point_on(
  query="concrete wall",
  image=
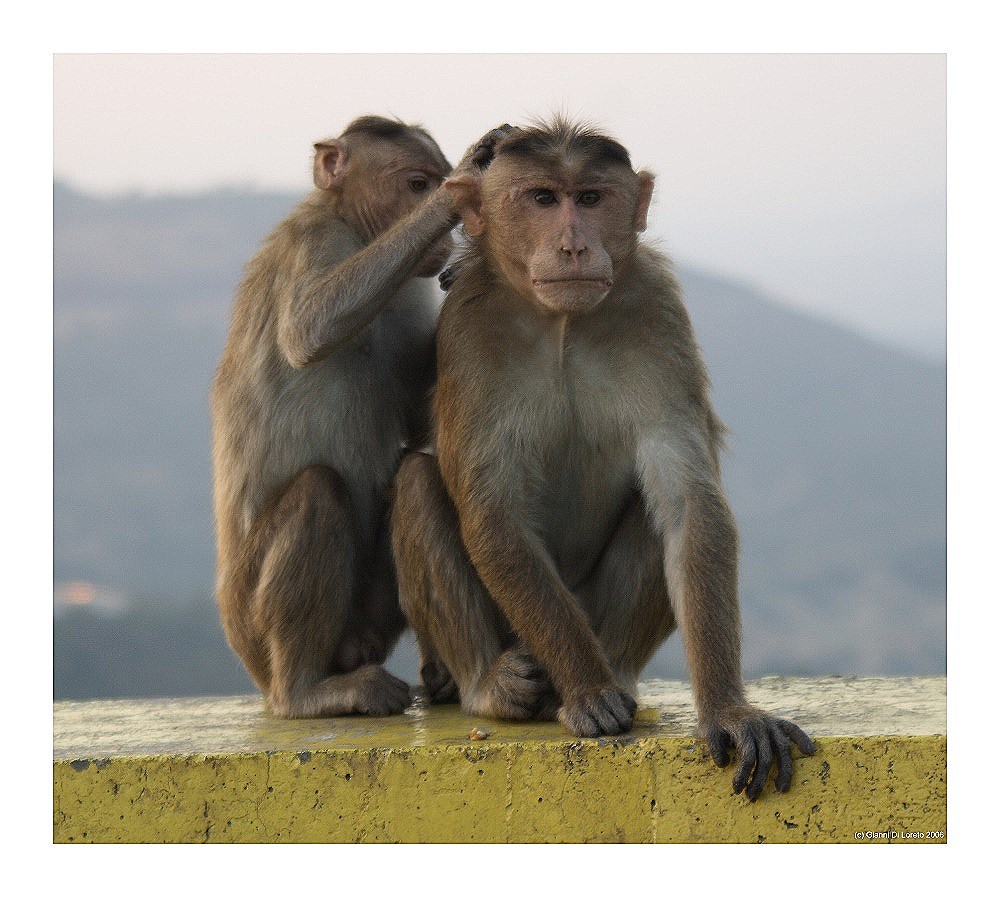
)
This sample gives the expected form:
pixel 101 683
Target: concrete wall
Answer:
pixel 224 770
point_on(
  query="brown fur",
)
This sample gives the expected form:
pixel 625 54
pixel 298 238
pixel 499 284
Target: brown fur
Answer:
pixel 324 380
pixel 574 516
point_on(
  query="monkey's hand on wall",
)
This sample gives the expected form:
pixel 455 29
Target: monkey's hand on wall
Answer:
pixel 604 711
pixel 760 740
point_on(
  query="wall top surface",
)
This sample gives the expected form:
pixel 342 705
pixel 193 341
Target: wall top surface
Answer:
pixel 828 706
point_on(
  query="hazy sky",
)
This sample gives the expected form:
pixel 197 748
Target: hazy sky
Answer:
pixel 818 178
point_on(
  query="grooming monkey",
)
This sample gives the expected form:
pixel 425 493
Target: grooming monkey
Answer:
pixel 323 381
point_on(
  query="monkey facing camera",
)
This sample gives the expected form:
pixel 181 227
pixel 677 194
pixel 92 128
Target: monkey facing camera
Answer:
pixel 572 515
pixel 324 379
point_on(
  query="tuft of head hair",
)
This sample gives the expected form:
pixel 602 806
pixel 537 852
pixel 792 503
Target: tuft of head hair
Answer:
pixel 564 137
pixel 376 127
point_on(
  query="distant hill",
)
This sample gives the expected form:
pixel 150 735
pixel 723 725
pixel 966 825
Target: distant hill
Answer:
pixel 836 470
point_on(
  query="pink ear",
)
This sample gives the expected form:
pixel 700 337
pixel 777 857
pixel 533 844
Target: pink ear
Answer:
pixel 468 200
pixel 642 200
pixel 329 164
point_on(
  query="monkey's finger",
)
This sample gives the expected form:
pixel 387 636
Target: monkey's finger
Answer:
pixel 802 741
pixel 783 779
pixel 397 703
pixel 491 137
pixel 599 708
pixel 618 704
pixel 748 759
pixel 762 739
pixel 591 727
pixel 387 704
pixel 398 692
pixel 482 155
pixel 578 722
pixel 719 743
pixel 497 133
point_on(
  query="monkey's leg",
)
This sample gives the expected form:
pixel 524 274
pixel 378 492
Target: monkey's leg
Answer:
pixel 456 621
pixel 303 595
pixel 626 595
pixel 439 685
pixel 376 621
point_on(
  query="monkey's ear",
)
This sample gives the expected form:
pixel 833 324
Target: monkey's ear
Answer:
pixel 329 164
pixel 468 200
pixel 642 200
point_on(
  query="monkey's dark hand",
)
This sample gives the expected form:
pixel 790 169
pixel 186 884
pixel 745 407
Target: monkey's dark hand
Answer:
pixel 760 740
pixel 604 711
pixel 447 277
pixel 483 150
pixel 477 157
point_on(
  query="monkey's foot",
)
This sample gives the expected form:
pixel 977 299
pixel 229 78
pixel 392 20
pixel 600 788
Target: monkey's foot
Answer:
pixel 513 688
pixel 369 690
pixel 360 645
pixel 605 711
pixel 440 687
pixel 377 692
pixel 760 741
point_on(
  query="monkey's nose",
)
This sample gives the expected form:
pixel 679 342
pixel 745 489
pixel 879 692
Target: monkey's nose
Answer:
pixel 575 249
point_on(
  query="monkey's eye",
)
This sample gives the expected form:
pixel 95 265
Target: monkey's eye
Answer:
pixel 419 185
pixel 545 197
pixel 588 198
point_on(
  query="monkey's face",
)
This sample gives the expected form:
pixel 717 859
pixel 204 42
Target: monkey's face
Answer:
pixel 558 230
pixel 386 181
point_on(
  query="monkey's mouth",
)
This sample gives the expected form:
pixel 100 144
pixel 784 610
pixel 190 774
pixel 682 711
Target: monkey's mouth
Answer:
pixel 544 282
pixel 570 295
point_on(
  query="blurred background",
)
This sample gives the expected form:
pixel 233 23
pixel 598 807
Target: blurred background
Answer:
pixel 802 197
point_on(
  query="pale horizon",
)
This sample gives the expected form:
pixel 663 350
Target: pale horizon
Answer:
pixel 817 178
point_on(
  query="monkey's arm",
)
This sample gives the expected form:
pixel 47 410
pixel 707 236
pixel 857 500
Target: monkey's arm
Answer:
pixel 520 576
pixel 700 550
pixel 325 306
